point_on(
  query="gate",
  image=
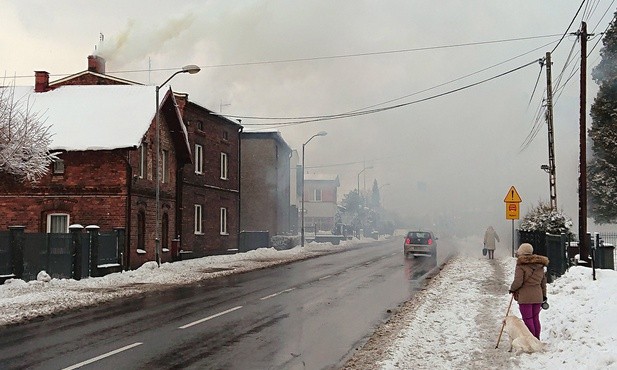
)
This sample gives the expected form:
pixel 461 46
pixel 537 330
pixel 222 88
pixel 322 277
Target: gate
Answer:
pixel 50 252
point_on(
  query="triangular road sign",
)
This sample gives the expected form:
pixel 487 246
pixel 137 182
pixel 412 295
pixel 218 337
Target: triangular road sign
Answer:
pixel 512 196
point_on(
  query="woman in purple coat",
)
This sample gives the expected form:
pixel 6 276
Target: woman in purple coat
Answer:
pixel 529 286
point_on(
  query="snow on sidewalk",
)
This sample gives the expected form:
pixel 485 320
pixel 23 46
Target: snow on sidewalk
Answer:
pixel 454 322
pixel 457 320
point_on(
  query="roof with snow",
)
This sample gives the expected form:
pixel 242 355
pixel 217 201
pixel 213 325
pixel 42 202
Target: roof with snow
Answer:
pixel 321 177
pixel 95 117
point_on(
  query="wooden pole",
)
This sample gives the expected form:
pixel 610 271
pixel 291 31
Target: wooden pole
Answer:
pixel 504 321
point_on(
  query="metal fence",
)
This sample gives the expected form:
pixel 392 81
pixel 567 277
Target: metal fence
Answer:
pixel 552 246
pixel 62 255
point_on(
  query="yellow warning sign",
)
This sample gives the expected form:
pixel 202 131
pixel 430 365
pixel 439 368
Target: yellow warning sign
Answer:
pixel 512 196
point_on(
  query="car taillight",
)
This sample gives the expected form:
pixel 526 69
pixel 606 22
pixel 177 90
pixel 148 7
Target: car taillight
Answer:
pixel 407 241
pixel 430 241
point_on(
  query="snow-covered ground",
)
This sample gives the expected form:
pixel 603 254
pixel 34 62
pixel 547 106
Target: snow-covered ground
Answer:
pixel 454 323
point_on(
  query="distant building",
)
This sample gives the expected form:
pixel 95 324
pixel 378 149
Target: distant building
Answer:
pixel 320 196
pixel 265 183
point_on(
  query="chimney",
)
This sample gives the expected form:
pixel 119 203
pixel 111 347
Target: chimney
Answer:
pixel 41 81
pixel 96 64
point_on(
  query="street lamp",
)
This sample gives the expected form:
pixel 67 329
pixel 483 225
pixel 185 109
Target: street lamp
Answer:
pixel 320 133
pixel 191 69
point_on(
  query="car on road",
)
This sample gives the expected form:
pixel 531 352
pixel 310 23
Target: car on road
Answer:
pixel 420 243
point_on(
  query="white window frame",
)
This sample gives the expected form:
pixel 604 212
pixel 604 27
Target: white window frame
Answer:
pixel 199 159
pixel 68 220
pixel 223 220
pixel 198 219
pixel 143 160
pixel 223 166
pixel 164 165
pixel 315 197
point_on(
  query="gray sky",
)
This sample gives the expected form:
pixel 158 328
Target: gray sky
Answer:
pixel 451 158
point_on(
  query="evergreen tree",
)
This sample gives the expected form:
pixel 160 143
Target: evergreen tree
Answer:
pixel 375 201
pixel 602 168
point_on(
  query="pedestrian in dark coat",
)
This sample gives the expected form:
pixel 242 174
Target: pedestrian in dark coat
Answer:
pixel 490 236
pixel 529 286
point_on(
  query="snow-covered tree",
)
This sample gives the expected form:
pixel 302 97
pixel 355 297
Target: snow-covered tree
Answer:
pixel 602 168
pixel 544 218
pixel 24 138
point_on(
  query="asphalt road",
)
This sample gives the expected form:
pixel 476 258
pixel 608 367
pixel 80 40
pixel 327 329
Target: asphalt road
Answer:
pixel 310 314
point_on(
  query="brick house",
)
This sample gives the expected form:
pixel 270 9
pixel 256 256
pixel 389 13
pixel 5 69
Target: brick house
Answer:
pixel 130 192
pixel 265 183
pixel 104 137
pixel 320 197
pixel 210 186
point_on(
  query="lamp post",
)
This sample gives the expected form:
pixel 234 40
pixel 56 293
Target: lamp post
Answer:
pixel 192 69
pixel 320 133
pixel 359 173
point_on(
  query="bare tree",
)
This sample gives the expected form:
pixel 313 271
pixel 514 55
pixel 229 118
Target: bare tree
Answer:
pixel 24 138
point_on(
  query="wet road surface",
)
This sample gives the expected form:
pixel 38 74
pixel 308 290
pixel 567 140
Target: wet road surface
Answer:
pixel 310 314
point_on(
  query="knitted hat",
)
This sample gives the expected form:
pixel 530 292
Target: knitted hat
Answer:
pixel 525 248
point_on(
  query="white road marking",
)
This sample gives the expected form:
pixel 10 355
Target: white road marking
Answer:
pixel 325 277
pixel 103 356
pixel 209 317
pixel 277 293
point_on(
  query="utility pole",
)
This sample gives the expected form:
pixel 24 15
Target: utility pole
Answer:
pixel 582 183
pixel 551 140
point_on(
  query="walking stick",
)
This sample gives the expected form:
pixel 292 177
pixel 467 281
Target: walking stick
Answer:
pixel 504 321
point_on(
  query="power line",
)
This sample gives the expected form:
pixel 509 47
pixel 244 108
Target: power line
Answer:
pixel 377 110
pixel 327 57
pixel 570 25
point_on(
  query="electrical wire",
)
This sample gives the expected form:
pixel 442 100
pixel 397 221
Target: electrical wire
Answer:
pixel 327 57
pixel 537 80
pixel 570 25
pixel 378 110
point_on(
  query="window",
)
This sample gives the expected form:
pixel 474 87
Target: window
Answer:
pixel 58 167
pixel 141 230
pixel 199 125
pixel 199 160
pixel 225 135
pixel 224 166
pixel 58 223
pixel 165 166
pixel 198 219
pixel 143 160
pixel 317 195
pixel 224 221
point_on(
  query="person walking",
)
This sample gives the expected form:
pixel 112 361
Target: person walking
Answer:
pixel 489 241
pixel 529 286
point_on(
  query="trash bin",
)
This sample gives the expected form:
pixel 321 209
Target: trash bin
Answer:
pixel 605 258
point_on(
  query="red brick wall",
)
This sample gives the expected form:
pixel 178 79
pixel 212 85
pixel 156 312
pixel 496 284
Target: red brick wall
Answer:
pixel 143 198
pixel 92 191
pixel 208 189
